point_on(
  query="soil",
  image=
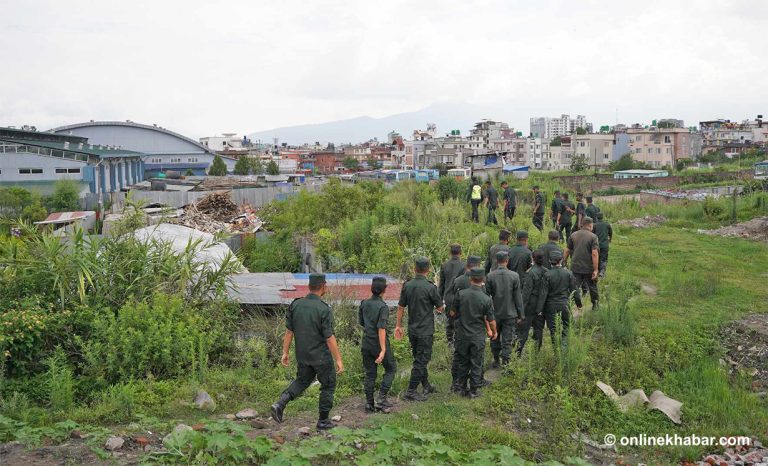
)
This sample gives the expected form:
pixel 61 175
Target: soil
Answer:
pixel 746 343
pixel 755 229
pixel 644 222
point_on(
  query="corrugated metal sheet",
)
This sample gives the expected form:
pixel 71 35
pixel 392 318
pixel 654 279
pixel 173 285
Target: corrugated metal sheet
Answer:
pixel 63 217
pixel 281 288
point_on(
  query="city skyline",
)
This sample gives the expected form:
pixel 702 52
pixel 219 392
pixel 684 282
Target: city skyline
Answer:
pixel 203 69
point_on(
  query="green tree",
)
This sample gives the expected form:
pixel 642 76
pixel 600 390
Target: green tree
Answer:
pixel 65 197
pixel 625 162
pixel 257 168
pixel 579 164
pixel 556 141
pixel 373 163
pixel 34 212
pixel 243 166
pixel 218 167
pixel 189 172
pixel 581 131
pixel 273 168
pixel 351 163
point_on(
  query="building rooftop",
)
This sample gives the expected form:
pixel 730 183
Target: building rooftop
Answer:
pixel 25 134
pixel 639 172
pixel 88 149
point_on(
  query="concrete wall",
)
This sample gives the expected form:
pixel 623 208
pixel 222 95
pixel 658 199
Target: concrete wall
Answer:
pixel 10 163
pixel 589 183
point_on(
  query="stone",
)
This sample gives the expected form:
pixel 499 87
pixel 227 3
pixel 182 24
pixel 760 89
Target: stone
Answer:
pixel 304 430
pixel 336 418
pixel 182 428
pixel 114 443
pixel 258 424
pixel 149 448
pixel 279 439
pixel 204 401
pixel 231 417
pixel 415 417
pixel 76 434
pixel 248 413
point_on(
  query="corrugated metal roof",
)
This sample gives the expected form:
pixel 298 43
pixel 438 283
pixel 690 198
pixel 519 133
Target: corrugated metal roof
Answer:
pixel 63 217
pixel 86 149
pixel 282 288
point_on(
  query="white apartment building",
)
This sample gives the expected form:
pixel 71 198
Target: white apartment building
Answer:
pixel 596 148
pixel 227 141
pixel 546 127
pixel 538 152
pixel 486 133
pixel 560 156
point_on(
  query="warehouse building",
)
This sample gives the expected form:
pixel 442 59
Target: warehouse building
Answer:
pixel 164 149
pixel 32 158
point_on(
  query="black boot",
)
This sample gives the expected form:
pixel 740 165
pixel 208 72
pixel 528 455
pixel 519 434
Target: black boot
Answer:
pixel 495 364
pixel 279 406
pixel 383 403
pixel 325 424
pixel 370 406
pixel 474 393
pixel 458 389
pixel 429 389
pixel 412 395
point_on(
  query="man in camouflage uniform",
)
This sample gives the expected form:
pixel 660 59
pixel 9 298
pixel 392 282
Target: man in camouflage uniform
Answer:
pixel 492 202
pixel 538 208
pixel 421 297
pixel 451 269
pixel 550 247
pixel 520 255
pixel 534 294
pixel 604 234
pixel 560 285
pixel 581 210
pixel 373 317
pixel 503 245
pixel 310 321
pixel 472 309
pixel 555 208
pixel 591 210
pixel 504 288
pixel 565 218
pixel 510 201
pixel 583 247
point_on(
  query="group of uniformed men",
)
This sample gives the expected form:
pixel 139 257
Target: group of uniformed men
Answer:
pixel 516 290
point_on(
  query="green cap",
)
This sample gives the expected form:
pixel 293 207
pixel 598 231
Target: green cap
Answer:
pixel 477 272
pixel 421 263
pixel 522 234
pixel 555 256
pixel 474 260
pixel 502 256
pixel 316 279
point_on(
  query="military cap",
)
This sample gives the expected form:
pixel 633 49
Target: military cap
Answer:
pixel 421 263
pixel 381 281
pixel 477 272
pixel 474 260
pixel 599 215
pixel 502 256
pixel 555 255
pixel 522 234
pixel 316 279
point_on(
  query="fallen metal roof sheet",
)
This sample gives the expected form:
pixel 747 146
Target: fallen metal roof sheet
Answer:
pixel 64 217
pixel 282 288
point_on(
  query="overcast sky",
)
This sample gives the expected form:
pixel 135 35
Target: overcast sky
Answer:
pixel 203 68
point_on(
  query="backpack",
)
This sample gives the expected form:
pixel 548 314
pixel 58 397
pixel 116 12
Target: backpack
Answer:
pixel 477 192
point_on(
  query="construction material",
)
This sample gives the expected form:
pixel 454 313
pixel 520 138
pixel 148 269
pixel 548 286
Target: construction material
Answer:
pixel 658 400
pixel 216 213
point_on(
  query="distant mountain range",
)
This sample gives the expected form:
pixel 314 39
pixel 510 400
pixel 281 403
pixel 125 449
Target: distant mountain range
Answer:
pixel 447 117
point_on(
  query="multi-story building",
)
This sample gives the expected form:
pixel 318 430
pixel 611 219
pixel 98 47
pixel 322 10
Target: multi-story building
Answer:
pixel 595 148
pixel 487 133
pixel 538 152
pixel 659 147
pixel 546 127
pixel 225 142
pixel 560 155
pixel 731 137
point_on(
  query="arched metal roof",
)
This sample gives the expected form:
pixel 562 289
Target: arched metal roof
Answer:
pixel 131 124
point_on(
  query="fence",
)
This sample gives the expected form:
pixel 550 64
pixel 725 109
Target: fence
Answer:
pixel 255 197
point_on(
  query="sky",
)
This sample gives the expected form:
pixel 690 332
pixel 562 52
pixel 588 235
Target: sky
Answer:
pixel 202 68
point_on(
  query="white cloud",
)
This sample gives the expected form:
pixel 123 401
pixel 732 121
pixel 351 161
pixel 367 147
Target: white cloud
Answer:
pixel 206 67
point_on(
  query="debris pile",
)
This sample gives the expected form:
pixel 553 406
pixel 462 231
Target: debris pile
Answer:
pixel 216 212
pixel 637 397
pixel 644 222
pixel 746 344
pixel 755 229
pixel 739 455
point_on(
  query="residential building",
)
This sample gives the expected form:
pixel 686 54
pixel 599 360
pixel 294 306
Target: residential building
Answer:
pixel 731 137
pixel 560 155
pixel 595 148
pixel 487 133
pixel 327 161
pixel 420 146
pixel 659 147
pixel 538 152
pixel 32 158
pixel 546 127
pixel 226 142
pixel 620 142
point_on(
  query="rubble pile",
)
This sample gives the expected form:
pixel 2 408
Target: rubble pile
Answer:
pixel 644 222
pixel 755 229
pixel 746 344
pixel 216 212
pixel 755 454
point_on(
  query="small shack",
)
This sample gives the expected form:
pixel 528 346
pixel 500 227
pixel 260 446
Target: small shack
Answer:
pixel 625 174
pixel 517 171
pixel 761 170
pixel 63 223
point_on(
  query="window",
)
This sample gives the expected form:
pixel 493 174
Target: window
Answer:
pixel 638 138
pixel 667 139
pixel 67 170
pixel 637 150
pixel 605 156
pixel 30 171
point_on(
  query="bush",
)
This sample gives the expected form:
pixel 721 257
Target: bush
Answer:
pixel 163 338
pixel 61 393
pixel 271 254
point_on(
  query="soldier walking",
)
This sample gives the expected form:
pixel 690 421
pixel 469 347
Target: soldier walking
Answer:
pixel 604 234
pixel 538 208
pixel 310 320
pixel 534 294
pixel 591 210
pixel 492 202
pixel 510 201
pixel 549 247
pixel 502 245
pixel 422 298
pixel 564 218
pixel 373 317
pixel 560 285
pixel 555 208
pixel 520 255
pixel 472 309
pixel 451 269
pixel 504 288
pixel 583 247
pixel 475 197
